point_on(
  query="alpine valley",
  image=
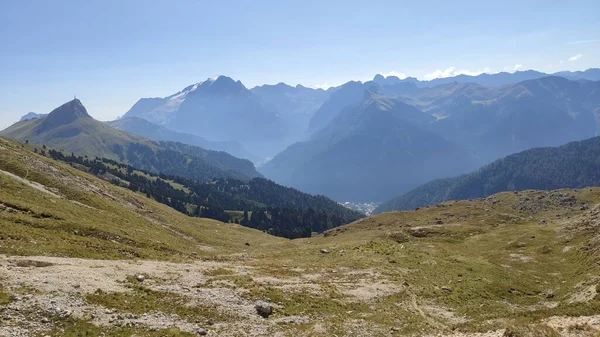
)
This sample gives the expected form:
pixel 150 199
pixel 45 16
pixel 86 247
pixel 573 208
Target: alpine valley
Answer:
pixel 226 211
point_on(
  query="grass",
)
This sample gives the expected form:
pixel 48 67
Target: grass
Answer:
pixel 496 261
pixel 79 328
pixel 88 224
pixel 142 300
pixel 4 296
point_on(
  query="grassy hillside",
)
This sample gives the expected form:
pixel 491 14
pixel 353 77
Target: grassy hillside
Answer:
pixel 513 264
pixel 49 208
pixel 574 165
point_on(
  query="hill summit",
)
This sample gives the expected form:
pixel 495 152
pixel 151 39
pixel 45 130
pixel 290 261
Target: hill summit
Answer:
pixel 63 115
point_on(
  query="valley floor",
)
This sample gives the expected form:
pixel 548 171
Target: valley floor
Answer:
pixel 67 297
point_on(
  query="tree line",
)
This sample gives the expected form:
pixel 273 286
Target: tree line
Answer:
pixel 267 206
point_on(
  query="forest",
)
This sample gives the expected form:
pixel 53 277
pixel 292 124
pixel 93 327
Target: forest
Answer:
pixel 266 206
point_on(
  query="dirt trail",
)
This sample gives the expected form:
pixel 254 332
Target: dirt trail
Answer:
pixel 30 183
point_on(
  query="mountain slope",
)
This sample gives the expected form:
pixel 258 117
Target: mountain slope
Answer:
pixel 70 128
pixel 71 213
pixel 296 105
pixel 144 128
pixel 366 152
pixel 285 211
pixel 219 109
pixel 345 95
pixel 574 165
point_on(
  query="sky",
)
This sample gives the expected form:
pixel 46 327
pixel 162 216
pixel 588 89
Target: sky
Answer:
pixel 111 53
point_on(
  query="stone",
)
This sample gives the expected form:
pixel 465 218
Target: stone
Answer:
pixel 447 289
pixel 324 251
pixel 140 278
pixel 264 309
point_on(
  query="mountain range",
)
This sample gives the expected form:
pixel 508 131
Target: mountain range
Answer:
pixel 188 178
pixel 374 148
pixel 70 128
pixel 574 165
pixel 455 127
pixel 359 142
pixel 218 109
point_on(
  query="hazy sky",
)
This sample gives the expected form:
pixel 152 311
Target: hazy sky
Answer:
pixel 111 53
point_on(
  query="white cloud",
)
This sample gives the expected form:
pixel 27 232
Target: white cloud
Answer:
pixel 325 86
pixel 575 58
pixel 584 41
pixel 515 68
pixel 452 71
pixel 395 73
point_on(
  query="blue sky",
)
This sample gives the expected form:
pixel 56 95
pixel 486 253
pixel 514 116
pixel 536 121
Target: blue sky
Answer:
pixel 111 53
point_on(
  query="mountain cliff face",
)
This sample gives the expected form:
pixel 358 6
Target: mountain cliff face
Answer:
pixel 370 150
pixel 219 109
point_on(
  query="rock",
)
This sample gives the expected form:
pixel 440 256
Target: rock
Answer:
pixel 247 243
pixel 45 320
pixel 324 251
pixel 140 278
pixel 210 321
pixel 549 294
pixel 447 289
pixel 14 298
pixel 404 283
pixel 264 309
pixel 201 332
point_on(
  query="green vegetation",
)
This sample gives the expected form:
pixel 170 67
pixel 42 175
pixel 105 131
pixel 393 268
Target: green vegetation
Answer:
pixel 78 328
pixel 511 260
pixel 142 300
pixel 275 209
pixel 82 216
pixel 574 165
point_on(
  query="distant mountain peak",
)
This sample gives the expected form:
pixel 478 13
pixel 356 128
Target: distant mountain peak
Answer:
pixel 32 115
pixel 219 85
pixel 65 114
